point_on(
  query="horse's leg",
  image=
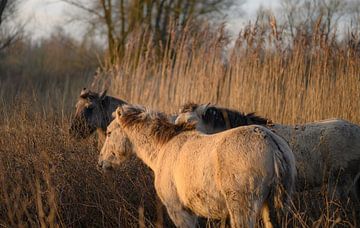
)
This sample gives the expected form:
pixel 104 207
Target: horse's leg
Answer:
pixel 238 216
pixel 274 215
pixel 265 213
pixel 181 217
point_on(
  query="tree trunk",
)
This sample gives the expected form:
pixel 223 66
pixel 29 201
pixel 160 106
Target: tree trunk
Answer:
pixel 2 8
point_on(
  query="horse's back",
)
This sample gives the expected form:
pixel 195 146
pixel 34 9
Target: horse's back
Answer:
pixel 260 162
pixel 322 146
pixel 339 137
pixel 204 163
pixel 336 140
pixel 202 170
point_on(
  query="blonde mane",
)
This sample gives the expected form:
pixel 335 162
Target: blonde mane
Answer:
pixel 157 122
pixel 189 107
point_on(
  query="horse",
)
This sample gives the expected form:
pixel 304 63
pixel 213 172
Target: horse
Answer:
pixel 326 151
pixel 237 174
pixel 93 113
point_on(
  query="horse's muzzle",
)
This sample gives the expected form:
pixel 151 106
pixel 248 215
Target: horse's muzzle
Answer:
pixel 104 166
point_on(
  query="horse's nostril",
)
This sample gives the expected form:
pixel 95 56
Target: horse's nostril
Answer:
pixel 100 163
pixel 109 168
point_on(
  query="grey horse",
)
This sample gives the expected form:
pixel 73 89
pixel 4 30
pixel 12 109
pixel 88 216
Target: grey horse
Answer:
pixel 325 151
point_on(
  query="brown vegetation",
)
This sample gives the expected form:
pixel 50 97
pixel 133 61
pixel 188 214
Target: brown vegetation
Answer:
pixel 46 178
pixel 309 79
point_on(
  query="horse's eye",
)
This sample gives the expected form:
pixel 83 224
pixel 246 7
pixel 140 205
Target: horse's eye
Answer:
pixel 108 133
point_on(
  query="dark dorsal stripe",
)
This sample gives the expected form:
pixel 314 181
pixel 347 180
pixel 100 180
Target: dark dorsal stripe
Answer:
pixel 222 117
pixel 240 119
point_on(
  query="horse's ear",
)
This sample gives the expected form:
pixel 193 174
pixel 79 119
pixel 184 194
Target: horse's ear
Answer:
pixel 201 110
pixel 118 113
pixel 102 95
pixel 84 93
pixel 113 114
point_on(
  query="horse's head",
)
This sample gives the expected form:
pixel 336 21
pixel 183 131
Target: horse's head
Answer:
pixel 117 147
pixel 208 119
pixel 89 115
pixel 211 119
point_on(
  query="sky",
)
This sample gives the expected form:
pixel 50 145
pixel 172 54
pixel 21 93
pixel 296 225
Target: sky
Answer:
pixel 249 8
pixel 42 16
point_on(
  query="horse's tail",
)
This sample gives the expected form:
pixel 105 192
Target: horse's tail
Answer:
pixel 284 178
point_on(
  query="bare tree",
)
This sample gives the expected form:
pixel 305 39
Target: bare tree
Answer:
pixel 309 14
pixel 118 18
pixel 2 8
pixel 354 14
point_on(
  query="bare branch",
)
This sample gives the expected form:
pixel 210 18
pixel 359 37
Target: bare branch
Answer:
pixel 81 6
pixel 2 9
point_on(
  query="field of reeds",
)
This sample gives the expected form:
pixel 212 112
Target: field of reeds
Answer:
pixel 49 179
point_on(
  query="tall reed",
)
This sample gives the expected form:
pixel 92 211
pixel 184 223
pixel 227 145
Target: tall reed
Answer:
pixel 314 77
pixel 48 179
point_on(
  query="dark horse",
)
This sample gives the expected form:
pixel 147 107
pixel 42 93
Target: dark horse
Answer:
pixel 93 113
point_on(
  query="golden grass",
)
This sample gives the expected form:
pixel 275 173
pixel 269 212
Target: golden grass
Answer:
pixel 307 80
pixel 48 179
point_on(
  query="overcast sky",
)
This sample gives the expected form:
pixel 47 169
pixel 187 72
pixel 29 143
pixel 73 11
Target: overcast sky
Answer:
pixel 45 15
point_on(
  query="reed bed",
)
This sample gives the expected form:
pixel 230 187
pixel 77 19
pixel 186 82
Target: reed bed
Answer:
pixel 49 179
pixel 311 78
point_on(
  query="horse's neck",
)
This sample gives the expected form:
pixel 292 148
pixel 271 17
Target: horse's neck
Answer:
pixel 144 146
pixel 110 106
pixel 241 119
pixel 101 137
pixel 235 119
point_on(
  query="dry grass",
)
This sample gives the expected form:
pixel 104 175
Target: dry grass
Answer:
pixel 47 179
pixel 310 79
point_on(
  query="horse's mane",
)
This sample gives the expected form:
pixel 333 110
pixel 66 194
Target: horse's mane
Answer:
pixel 86 93
pixel 157 122
pixel 90 95
pixel 223 116
pixel 237 118
pixel 189 107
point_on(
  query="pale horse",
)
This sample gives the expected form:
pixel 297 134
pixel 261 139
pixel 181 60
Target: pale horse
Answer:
pixel 94 113
pixel 237 174
pixel 326 151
